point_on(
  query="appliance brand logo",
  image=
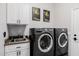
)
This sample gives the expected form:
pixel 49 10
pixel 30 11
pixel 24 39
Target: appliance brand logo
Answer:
pixel 62 29
pixel 46 30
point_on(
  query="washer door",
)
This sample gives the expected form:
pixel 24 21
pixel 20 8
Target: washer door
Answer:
pixel 62 40
pixel 45 43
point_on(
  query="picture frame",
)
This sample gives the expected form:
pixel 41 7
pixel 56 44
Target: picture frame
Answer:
pixel 46 15
pixel 35 14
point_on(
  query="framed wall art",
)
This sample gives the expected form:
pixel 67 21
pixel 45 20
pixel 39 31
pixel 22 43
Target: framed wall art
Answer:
pixel 46 15
pixel 35 14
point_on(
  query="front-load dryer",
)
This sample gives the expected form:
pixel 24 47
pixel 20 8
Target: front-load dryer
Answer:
pixel 42 42
pixel 61 41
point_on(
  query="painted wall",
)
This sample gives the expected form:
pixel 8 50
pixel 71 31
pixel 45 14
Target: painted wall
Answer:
pixel 62 18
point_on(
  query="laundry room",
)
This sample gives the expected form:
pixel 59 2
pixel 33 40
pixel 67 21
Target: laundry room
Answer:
pixel 39 29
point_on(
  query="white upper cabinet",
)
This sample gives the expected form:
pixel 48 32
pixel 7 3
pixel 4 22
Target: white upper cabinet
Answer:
pixel 17 13
pixel 12 13
pixel 24 13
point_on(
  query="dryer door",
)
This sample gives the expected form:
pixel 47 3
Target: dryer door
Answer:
pixel 62 40
pixel 45 43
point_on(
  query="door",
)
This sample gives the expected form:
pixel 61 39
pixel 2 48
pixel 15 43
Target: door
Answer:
pixel 11 53
pixel 75 33
pixel 23 13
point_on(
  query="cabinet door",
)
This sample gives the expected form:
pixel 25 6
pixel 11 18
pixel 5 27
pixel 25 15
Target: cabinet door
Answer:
pixel 25 52
pixel 28 52
pixel 2 26
pixel 11 54
pixel 12 13
pixel 24 13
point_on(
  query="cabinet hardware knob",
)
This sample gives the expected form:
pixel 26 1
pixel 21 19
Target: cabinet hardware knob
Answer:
pixel 75 38
pixel 17 21
pixel 75 35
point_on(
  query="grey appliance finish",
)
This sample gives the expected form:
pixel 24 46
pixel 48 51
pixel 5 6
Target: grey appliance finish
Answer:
pixel 61 41
pixel 42 42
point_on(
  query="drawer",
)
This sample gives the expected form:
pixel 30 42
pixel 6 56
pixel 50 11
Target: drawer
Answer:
pixel 23 52
pixel 16 47
pixel 11 53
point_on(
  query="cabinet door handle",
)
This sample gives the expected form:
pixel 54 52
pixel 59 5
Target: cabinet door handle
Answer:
pixel 19 21
pixel 18 47
pixel 17 53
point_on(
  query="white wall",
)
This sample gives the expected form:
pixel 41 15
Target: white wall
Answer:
pixel 2 27
pixel 62 18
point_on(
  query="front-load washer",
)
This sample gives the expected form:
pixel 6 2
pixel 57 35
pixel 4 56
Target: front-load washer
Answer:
pixel 42 42
pixel 61 41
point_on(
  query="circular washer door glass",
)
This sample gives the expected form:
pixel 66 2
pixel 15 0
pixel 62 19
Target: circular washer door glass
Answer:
pixel 45 42
pixel 62 40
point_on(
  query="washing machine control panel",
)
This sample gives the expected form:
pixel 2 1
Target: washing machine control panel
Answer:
pixel 48 29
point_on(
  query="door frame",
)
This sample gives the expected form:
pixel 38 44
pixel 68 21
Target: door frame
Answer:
pixel 72 29
pixel 72 11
